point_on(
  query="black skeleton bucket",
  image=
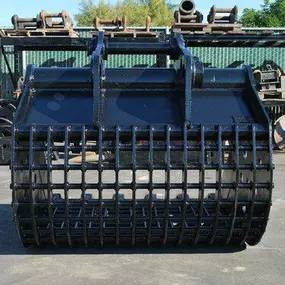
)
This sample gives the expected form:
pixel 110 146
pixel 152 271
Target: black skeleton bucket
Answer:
pixel 178 155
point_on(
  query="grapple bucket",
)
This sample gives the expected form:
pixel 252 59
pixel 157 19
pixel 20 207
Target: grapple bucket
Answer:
pixel 178 155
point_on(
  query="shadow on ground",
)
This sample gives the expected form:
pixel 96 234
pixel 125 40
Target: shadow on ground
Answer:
pixel 10 244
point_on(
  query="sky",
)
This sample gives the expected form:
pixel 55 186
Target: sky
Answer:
pixel 29 8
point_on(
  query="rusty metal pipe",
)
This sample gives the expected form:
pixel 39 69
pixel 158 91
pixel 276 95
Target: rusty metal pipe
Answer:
pixel 187 7
pixel 21 23
pixel 222 18
pixel 224 10
pixel 23 20
pixel 109 22
pixel 53 15
pixel 232 16
pixel 147 23
pixel 188 17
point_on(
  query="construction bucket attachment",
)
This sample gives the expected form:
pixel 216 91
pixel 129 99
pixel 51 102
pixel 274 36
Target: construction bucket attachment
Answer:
pixel 43 25
pixel 43 20
pixel 187 13
pixel 176 155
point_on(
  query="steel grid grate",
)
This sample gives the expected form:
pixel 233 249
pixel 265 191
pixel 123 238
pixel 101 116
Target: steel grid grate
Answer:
pixel 200 184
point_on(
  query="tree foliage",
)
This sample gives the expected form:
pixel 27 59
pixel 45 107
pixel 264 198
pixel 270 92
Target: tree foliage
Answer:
pixel 161 13
pixel 272 14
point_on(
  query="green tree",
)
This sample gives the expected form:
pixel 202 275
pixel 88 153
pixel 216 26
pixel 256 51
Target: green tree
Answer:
pixel 88 11
pixel 161 13
pixel 271 14
pixel 135 12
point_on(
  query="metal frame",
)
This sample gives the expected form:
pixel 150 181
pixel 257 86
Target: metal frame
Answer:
pixel 251 38
pixel 37 44
pixel 55 44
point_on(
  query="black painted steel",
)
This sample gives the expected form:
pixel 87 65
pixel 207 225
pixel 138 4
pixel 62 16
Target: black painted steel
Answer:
pixel 7 110
pixel 250 39
pixel 177 155
pixel 260 39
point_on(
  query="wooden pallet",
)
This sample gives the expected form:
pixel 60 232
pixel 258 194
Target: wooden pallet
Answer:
pixel 40 33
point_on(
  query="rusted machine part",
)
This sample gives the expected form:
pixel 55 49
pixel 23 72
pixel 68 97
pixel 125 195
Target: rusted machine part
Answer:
pixel 47 20
pixel 43 20
pixel 270 83
pixel 187 13
pixel 215 18
pixel 124 23
pixel 279 133
pixel 101 23
pixel 189 21
pixel 187 7
pixel 42 25
pixel 24 23
pixel 121 28
pixel 147 23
